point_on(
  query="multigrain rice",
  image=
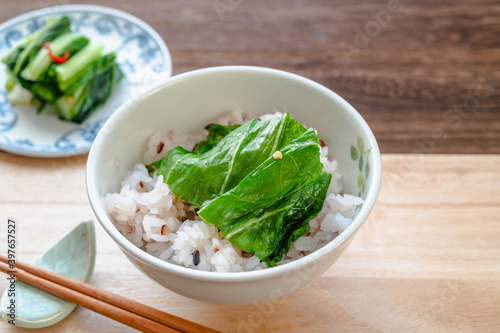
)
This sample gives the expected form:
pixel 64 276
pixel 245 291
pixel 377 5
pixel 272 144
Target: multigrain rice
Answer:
pixel 150 216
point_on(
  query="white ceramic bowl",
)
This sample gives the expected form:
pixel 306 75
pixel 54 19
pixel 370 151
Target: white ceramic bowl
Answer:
pixel 188 102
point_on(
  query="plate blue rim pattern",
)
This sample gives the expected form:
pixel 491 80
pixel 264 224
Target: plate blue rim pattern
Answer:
pixel 105 23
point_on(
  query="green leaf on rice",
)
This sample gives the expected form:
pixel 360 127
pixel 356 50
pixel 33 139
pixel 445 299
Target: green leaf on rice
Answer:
pixel 216 133
pixel 196 178
pixel 261 204
pixel 263 229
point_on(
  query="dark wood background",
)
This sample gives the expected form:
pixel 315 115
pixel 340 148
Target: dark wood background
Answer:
pixel 431 56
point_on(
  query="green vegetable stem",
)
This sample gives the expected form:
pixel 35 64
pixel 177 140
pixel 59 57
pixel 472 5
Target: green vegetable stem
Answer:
pixel 57 66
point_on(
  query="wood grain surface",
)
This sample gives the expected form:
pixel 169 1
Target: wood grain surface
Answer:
pixel 426 260
pixel 415 73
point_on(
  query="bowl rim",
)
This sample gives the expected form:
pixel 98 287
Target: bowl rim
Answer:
pixel 148 259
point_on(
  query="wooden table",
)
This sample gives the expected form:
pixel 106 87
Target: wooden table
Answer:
pixel 427 259
pixel 430 56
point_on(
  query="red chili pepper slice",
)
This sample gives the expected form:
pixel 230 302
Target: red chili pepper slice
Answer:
pixel 58 59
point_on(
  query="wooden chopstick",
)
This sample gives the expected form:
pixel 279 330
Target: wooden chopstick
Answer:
pixel 114 306
pixel 106 309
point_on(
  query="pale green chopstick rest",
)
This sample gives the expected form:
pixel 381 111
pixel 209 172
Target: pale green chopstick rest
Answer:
pixel 73 256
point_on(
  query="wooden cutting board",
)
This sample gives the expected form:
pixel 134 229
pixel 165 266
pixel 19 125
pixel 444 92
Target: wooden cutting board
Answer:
pixel 426 260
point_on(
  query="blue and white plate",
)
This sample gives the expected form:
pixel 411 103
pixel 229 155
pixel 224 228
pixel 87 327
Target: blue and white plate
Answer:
pixel 140 52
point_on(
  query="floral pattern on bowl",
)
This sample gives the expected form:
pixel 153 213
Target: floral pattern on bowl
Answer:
pixel 360 155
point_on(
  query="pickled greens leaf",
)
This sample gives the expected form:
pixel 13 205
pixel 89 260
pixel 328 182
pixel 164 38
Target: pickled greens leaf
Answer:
pixel 248 221
pixel 259 202
pixel 197 178
pixel 216 133
pixel 271 181
pixel 268 233
pixel 56 66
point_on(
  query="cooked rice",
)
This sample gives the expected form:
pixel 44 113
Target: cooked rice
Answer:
pixel 145 206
